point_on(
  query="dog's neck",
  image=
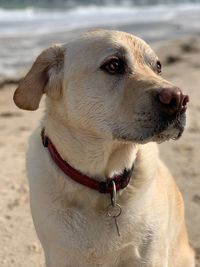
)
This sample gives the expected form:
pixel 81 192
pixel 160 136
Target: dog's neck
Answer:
pixel 95 156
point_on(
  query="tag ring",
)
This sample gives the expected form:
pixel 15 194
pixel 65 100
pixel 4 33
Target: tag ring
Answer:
pixel 114 211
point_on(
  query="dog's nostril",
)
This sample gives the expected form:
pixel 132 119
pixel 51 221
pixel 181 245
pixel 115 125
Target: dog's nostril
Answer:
pixel 185 100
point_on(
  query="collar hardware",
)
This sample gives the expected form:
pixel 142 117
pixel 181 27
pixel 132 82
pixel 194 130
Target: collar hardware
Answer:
pixel 114 210
pixel 121 181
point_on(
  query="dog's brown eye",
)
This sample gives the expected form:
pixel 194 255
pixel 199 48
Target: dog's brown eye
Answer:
pixel 114 66
pixel 159 67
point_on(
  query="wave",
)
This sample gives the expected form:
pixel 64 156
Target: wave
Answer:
pixel 25 32
pixel 23 22
pixel 75 3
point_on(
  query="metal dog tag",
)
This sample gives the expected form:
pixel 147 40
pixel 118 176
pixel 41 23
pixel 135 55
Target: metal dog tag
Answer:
pixel 114 209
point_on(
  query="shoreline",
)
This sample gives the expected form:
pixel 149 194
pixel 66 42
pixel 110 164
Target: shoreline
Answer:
pixel 16 71
pixel 25 33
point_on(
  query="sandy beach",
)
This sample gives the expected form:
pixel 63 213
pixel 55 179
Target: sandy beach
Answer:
pixel 19 244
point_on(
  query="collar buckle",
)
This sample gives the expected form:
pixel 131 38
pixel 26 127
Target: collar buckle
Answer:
pixel 103 187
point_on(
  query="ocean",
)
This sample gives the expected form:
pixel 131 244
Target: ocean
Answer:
pixel 26 29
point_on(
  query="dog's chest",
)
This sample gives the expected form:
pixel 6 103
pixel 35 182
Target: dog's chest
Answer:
pixel 84 227
pixel 95 235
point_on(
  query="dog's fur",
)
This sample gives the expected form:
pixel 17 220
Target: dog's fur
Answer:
pixel 102 124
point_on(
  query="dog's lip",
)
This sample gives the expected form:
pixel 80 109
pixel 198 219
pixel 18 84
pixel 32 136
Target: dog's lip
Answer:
pixel 162 131
pixel 178 135
pixel 177 123
pixel 176 119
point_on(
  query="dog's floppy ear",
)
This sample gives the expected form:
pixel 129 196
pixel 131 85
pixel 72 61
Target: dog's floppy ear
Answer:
pixel 45 76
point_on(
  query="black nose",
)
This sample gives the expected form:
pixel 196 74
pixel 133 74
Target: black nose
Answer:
pixel 173 100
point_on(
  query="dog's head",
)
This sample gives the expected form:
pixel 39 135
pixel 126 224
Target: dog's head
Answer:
pixel 108 83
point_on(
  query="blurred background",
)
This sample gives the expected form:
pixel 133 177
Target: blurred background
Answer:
pixel 171 27
pixel 27 26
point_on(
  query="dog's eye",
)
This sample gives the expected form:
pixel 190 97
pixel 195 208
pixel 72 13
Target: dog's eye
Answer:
pixel 159 66
pixel 114 66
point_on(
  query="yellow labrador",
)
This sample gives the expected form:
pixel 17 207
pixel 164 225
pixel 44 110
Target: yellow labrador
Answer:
pixel 100 196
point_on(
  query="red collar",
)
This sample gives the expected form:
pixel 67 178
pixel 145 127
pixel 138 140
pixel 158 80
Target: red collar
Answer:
pixel 121 181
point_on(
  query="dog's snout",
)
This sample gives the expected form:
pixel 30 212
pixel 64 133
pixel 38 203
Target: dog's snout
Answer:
pixel 173 100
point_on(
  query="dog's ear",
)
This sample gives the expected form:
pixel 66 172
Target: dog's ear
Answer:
pixel 45 76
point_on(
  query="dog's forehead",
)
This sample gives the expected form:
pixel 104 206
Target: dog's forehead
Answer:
pixel 97 45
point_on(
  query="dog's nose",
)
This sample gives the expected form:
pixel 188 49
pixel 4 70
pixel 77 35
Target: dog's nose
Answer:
pixel 173 100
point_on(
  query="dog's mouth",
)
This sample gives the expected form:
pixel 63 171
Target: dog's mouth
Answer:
pixel 161 129
pixel 169 128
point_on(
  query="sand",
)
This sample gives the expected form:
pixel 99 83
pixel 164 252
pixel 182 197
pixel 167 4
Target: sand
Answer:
pixel 19 245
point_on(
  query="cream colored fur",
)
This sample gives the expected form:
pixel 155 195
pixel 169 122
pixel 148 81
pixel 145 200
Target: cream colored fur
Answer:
pixel 101 124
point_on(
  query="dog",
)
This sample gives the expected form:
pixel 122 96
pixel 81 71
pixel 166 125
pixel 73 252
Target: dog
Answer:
pixel 99 194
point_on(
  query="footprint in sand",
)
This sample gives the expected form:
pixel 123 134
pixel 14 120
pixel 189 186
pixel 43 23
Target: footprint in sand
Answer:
pixel 196 199
pixel 8 114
